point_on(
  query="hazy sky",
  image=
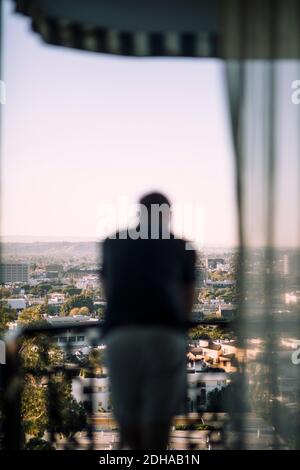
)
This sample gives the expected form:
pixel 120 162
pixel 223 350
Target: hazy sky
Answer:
pixel 83 129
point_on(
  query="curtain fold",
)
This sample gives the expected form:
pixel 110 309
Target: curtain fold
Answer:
pixel 261 70
pixel 258 29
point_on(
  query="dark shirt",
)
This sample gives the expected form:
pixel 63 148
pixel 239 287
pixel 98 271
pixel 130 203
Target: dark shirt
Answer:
pixel 144 281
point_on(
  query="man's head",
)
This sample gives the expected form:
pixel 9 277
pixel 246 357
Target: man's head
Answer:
pixel 155 212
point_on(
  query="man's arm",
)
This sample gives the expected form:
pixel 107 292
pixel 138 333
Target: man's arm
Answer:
pixel 189 282
pixel 189 292
pixel 102 271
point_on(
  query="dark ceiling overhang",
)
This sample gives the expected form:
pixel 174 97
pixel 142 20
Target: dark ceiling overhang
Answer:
pixel 127 27
pixel 228 29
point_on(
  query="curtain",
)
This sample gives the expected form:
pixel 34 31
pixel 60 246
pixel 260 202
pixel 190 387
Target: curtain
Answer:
pixel 261 48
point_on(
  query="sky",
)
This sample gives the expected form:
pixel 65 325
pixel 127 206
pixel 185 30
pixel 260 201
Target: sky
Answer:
pixel 82 130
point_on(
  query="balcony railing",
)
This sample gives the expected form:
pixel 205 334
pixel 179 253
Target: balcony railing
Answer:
pixel 234 423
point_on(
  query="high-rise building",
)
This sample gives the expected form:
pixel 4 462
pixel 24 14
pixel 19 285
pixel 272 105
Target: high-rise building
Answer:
pixel 54 267
pixel 14 272
pixel 291 264
pixel 54 271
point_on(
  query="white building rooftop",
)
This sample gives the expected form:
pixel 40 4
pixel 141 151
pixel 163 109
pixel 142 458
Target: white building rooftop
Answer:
pixel 17 304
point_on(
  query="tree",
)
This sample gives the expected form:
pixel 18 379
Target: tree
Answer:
pixel 7 314
pixel 26 288
pixel 216 275
pixel 74 311
pixel 94 364
pixel 53 309
pixel 71 290
pixel 99 292
pixel 33 314
pixel 206 294
pixel 77 301
pixel 227 399
pixel 41 289
pixel 71 417
pixel 36 443
pixel 96 358
pixel 83 311
pixel 4 292
pixel 101 312
pixel 37 354
pixel 203 332
pixel 34 406
pixel 194 427
pixel 79 311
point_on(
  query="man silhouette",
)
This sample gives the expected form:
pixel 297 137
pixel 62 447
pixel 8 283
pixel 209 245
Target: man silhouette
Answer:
pixel 148 277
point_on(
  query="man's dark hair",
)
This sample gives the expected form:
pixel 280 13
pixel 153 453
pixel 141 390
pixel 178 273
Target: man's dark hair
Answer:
pixel 154 198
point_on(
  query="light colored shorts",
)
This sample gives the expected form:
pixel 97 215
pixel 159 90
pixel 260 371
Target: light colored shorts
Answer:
pixel 147 369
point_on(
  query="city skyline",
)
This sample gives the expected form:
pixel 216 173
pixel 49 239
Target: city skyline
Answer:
pixel 81 130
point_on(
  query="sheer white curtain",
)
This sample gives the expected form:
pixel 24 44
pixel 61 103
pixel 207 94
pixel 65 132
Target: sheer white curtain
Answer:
pixel 261 45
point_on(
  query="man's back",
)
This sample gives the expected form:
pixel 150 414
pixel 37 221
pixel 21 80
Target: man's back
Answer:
pixel 144 280
pixel 149 286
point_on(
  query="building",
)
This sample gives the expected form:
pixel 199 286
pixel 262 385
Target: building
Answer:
pixel 72 340
pixel 197 316
pixel 54 267
pixel 292 297
pixel 99 387
pixel 69 338
pixel 213 263
pixel 290 343
pixel 215 355
pixel 17 304
pixel 88 282
pixel 227 312
pixel 34 300
pixel 53 271
pixel 201 275
pixel 55 301
pixel 223 283
pixel 291 264
pixel 52 275
pixel 14 272
pixel 200 384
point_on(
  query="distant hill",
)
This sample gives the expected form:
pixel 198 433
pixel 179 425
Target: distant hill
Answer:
pixel 61 249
